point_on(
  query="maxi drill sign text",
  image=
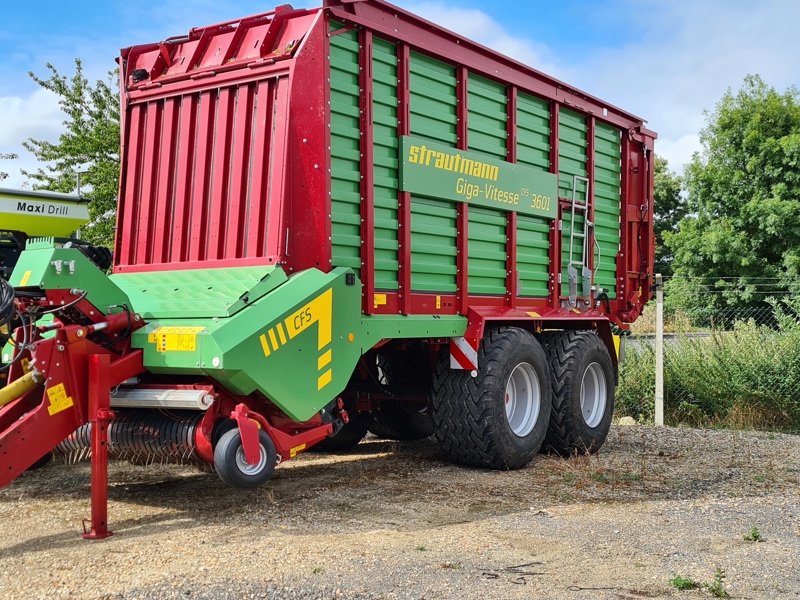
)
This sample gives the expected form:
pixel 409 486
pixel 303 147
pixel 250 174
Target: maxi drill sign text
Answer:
pixel 439 171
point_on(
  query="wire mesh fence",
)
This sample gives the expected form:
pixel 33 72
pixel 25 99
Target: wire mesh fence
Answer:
pixel 734 366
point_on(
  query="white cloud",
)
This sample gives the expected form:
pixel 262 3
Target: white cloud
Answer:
pixel 35 116
pixel 678 152
pixel 690 53
pixel 480 27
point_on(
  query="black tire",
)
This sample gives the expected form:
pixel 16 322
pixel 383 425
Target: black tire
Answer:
pixel 231 466
pixel 470 413
pixel 402 421
pixel 349 436
pixel 582 377
pixel 221 427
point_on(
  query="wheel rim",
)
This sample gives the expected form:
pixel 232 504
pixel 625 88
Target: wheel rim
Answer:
pixel 523 399
pixel 248 469
pixel 593 395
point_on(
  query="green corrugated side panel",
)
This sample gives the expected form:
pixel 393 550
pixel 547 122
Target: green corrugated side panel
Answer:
pixel 572 160
pixel 533 132
pixel 487 251
pixel 571 152
pixel 533 255
pixel 607 194
pixel 487 122
pixel 533 242
pixel 433 245
pixel 488 133
pixel 433 222
pixel 345 151
pixel 433 99
pixel 386 165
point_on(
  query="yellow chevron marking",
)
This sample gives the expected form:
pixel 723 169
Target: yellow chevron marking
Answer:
pixel 324 379
pixel 324 360
pixel 264 344
pixel 281 335
pixel 273 339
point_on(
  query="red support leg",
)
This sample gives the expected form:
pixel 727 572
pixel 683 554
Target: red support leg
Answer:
pixel 99 414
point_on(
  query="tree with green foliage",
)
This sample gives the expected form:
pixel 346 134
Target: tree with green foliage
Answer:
pixel 742 234
pixel 90 144
pixel 670 208
pixel 4 175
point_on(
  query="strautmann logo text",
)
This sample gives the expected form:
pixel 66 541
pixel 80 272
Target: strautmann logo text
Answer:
pixel 435 170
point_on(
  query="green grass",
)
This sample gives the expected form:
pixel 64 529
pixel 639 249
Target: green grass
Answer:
pixel 717 587
pixel 754 535
pixel 683 583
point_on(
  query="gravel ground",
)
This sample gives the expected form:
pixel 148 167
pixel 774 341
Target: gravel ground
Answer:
pixel 397 521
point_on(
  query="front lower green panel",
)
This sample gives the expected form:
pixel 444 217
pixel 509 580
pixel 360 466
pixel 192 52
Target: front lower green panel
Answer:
pixel 487 251
pixel 297 345
pixel 345 151
pixel 433 245
pixel 533 255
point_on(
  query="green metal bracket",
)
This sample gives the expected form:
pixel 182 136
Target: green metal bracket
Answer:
pixel 45 266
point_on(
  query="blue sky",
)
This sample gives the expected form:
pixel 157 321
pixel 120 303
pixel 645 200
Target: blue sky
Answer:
pixel 664 61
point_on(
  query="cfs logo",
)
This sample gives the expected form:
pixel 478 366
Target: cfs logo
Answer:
pixel 303 318
pixel 319 311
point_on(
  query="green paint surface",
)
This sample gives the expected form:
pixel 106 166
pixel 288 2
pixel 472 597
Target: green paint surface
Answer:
pixel 345 151
pixel 386 164
pixel 607 198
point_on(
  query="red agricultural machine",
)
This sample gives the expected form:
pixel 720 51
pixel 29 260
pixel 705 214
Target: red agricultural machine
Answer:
pixel 335 221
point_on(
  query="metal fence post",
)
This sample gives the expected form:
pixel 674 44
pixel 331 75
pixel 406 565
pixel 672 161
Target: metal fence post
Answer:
pixel 659 392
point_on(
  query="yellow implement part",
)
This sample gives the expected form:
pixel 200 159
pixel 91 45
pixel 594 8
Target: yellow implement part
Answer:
pixel 42 213
pixel 21 386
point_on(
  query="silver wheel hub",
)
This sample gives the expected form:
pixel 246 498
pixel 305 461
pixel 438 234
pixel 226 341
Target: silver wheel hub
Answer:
pixel 593 394
pixel 248 469
pixel 523 399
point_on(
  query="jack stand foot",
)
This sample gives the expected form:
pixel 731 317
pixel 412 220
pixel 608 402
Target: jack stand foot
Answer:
pixel 91 534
